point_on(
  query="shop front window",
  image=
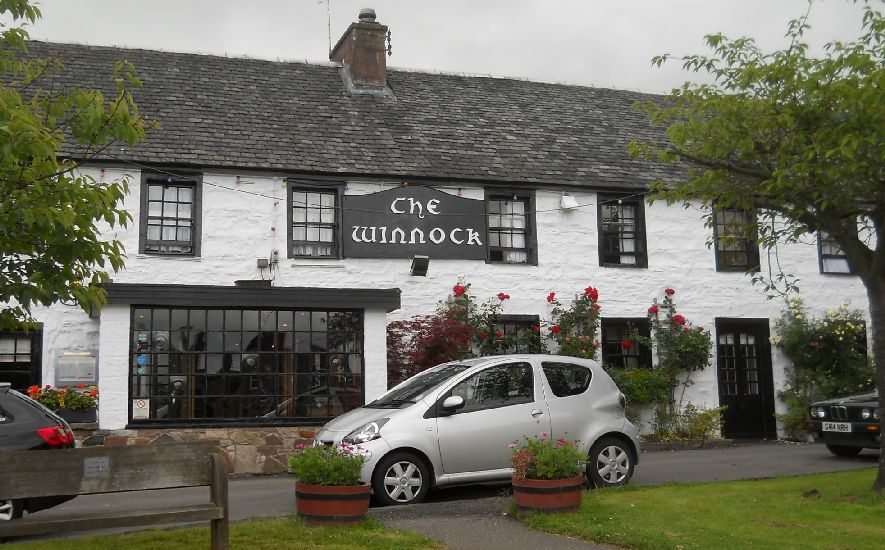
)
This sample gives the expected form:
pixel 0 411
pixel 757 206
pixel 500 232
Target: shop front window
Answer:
pixel 208 365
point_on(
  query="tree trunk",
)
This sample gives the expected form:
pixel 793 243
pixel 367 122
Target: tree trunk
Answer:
pixel 876 293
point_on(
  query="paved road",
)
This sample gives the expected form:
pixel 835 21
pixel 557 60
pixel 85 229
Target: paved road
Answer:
pixel 472 517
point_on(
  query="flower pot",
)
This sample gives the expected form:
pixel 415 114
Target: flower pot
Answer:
pixel 332 504
pixel 77 416
pixel 548 495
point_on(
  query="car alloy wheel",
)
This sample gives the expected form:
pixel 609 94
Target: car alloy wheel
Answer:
pixel 401 478
pixel 10 509
pixel 611 463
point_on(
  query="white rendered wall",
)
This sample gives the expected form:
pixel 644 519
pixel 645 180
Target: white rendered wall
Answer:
pixel 238 228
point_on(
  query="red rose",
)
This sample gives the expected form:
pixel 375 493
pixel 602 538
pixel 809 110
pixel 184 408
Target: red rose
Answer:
pixel 459 290
pixel 591 293
pixel 653 310
pixel 679 319
pixel 551 296
pixel 669 291
pixel 500 333
pixel 33 390
pixel 554 329
pixel 626 344
pixel 686 330
pixel 596 307
pixel 536 329
pixel 502 296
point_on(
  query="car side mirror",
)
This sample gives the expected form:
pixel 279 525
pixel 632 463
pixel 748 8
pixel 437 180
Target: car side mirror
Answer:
pixel 452 403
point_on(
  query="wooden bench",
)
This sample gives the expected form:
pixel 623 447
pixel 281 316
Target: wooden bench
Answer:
pixel 97 470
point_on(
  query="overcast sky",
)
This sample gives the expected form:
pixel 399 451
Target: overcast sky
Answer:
pixel 606 43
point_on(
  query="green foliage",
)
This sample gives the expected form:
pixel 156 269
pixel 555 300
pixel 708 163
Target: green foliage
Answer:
pixel 544 458
pixel 823 511
pixel 681 346
pixel 692 423
pixel 642 386
pixel 828 355
pixel 80 397
pixel 50 245
pixel 327 465
pixel 574 327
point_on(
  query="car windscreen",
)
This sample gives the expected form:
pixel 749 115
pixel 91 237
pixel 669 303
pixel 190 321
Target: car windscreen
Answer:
pixel 417 387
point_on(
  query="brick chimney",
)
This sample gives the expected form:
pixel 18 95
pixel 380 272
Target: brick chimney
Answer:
pixel 362 52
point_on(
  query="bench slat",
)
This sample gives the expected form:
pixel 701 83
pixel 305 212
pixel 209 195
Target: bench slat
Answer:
pixel 35 525
pixel 94 470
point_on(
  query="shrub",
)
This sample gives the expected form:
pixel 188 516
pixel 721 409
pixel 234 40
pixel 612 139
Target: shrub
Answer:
pixel 327 465
pixel 79 397
pixel 545 458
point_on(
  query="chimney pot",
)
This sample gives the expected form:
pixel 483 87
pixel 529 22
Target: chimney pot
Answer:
pixel 367 15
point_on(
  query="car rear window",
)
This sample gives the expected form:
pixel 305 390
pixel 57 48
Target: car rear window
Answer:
pixel 565 379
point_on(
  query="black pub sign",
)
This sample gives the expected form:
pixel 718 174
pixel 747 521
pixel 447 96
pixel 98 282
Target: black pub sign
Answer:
pixel 413 220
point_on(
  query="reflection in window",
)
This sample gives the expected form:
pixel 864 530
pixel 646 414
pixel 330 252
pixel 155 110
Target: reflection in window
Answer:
pixel 734 249
pixel 622 232
pixel 170 215
pixel 567 379
pixel 499 386
pixel 832 258
pixel 508 229
pixel 198 364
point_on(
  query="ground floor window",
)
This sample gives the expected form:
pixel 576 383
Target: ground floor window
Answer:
pixel 618 348
pixel 20 358
pixel 290 365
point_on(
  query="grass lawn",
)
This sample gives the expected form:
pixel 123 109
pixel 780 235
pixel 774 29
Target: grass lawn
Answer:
pixel 272 534
pixel 833 511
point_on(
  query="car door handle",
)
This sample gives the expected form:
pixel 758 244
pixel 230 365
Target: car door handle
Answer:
pixel 537 413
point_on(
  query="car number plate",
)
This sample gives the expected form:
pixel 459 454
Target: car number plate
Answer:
pixel 837 427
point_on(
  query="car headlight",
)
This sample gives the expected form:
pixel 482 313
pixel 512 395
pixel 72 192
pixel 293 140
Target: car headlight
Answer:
pixel 875 414
pixel 817 412
pixel 865 414
pixel 366 432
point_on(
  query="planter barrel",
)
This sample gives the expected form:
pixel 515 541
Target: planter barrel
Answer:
pixel 331 504
pixel 548 495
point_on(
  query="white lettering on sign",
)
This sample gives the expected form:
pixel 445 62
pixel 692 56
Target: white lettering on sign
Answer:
pixel 415 207
pixel 437 235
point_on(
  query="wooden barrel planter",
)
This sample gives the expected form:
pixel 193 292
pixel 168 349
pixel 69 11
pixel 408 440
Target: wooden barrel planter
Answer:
pixel 332 504
pixel 548 495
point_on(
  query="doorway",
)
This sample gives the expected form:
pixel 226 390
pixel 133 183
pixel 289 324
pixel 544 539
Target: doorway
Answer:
pixel 743 360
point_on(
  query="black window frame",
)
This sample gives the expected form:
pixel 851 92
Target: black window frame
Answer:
pixel 639 233
pixel 205 388
pixel 329 188
pixel 750 246
pixel 34 366
pixel 504 323
pixel 824 239
pixel 530 231
pixel 176 179
pixel 611 352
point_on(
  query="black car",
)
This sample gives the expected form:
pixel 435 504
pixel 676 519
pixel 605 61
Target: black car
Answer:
pixel 847 424
pixel 27 425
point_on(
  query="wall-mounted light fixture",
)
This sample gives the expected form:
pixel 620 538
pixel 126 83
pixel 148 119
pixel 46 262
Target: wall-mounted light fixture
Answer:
pixel 420 264
pixel 568 202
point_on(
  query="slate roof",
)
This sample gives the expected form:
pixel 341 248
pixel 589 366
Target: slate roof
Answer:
pixel 296 117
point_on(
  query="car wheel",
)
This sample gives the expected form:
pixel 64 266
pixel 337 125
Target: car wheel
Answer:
pixel 10 509
pixel 610 463
pixel 401 478
pixel 842 450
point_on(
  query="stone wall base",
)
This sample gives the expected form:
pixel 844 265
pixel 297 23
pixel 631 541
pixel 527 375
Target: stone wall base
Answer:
pixel 252 450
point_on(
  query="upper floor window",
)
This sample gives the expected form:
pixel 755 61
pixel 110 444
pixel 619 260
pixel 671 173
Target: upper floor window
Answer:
pixel 832 258
pixel 511 228
pixel 622 232
pixel 314 221
pixel 618 350
pixel 170 214
pixel 736 250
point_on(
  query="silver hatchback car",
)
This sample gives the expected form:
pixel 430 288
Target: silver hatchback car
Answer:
pixel 452 424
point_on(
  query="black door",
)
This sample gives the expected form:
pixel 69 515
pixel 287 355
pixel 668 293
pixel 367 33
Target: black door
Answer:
pixel 745 381
pixel 20 358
